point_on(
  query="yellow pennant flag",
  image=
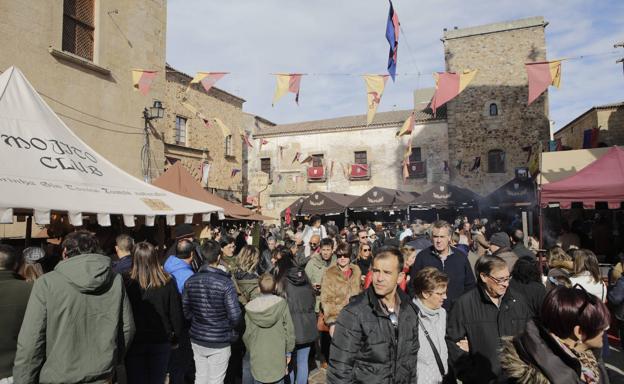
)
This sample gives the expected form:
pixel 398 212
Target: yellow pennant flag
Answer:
pixel 375 85
pixel 287 83
pixel 408 126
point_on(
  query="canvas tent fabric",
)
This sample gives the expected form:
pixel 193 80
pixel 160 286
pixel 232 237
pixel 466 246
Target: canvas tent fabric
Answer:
pixel 600 181
pixel 558 165
pixel 514 193
pixel 378 199
pixel 45 167
pixel 326 203
pixel 442 195
pixel 178 180
pixel 295 207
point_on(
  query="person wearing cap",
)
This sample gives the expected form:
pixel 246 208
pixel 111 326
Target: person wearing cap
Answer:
pixel 30 268
pixel 13 300
pixel 500 246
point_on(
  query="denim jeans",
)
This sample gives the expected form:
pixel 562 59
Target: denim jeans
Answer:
pixel 247 376
pixel 300 356
pixel 210 364
pixel 147 363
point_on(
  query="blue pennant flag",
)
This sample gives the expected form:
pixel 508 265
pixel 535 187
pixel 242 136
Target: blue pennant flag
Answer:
pixel 392 35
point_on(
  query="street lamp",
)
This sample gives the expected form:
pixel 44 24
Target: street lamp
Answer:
pixel 154 112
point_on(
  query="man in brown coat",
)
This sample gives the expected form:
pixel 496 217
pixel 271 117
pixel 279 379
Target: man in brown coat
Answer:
pixel 340 281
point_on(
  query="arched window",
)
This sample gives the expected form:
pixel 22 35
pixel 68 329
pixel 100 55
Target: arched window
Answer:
pixel 493 109
pixel 496 161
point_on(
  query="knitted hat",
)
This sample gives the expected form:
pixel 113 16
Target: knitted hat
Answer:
pixel 500 239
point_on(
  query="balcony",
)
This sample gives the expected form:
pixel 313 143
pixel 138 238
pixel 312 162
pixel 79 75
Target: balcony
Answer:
pixel 417 169
pixel 360 172
pixel 316 174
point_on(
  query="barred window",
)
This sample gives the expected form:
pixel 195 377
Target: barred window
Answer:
pixel 79 27
pixel 361 157
pixel 180 130
pixel 496 161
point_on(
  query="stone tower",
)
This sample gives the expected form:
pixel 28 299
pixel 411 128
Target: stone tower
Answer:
pixel 490 118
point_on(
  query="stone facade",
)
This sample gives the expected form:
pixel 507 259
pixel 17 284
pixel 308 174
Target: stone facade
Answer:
pixel 338 140
pixel 95 98
pixel 201 142
pixel 498 52
pixel 609 118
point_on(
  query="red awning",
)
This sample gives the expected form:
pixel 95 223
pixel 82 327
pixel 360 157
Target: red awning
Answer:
pixel 601 181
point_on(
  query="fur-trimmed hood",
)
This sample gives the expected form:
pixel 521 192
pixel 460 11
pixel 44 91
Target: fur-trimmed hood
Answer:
pixel 516 369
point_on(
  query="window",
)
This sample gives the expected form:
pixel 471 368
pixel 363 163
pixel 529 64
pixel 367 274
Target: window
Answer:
pixel 317 160
pixel 265 165
pixel 415 156
pixel 361 157
pixel 228 146
pixel 493 109
pixel 79 27
pixel 496 161
pixel 180 130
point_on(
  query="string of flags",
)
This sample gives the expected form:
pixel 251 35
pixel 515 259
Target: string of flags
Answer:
pixel 287 83
pixel 541 75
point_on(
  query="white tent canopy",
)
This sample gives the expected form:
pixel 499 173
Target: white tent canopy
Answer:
pixel 45 167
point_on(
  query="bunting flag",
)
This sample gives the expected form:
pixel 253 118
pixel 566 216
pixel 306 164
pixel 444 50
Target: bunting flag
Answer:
pixel 207 79
pixel 375 85
pixel 297 157
pixel 392 35
pixel 307 159
pixel 408 150
pixel 449 85
pixel 345 170
pixel 331 169
pixel 262 142
pixel 590 138
pixel 281 151
pixel 476 165
pixel 205 173
pixel 246 140
pixel 287 83
pixel 533 162
pixel 552 145
pixel 234 172
pixel 224 128
pixel 529 150
pixel 541 75
pixel 405 171
pixel 142 80
pixel 408 126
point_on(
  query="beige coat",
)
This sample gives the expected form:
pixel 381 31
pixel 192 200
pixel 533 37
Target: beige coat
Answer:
pixel 336 290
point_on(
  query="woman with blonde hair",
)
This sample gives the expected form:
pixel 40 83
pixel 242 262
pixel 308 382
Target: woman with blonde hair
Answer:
pixel 30 268
pixel 560 264
pixel 246 275
pixel 157 311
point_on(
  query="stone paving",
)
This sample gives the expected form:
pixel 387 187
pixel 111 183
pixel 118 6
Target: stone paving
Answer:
pixel 317 376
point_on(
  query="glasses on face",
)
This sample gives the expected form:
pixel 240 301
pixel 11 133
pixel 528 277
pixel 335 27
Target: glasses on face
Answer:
pixel 500 280
pixel 366 250
pixel 363 237
pixel 439 293
pixel 342 255
pixel 314 244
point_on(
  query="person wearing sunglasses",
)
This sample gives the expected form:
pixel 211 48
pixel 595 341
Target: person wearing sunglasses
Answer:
pixel 480 318
pixel 375 338
pixel 557 350
pixel 340 282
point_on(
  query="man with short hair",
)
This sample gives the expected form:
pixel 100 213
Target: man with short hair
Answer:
pixel 518 247
pixel 444 257
pixel 501 247
pixel 362 239
pixel 123 248
pixel 376 335
pixel 179 265
pixel 265 264
pixel 13 300
pixel 78 321
pixel 210 302
pixel 480 318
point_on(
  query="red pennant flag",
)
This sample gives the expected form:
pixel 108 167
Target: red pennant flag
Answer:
pixel 208 79
pixel 296 158
pixel 405 171
pixel 263 142
pixel 541 75
pixel 449 85
pixel 287 83
pixel 307 159
pixel 234 172
pixel 142 80
pixel 246 140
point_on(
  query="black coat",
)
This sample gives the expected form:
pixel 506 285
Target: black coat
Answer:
pixel 456 266
pixel 211 304
pixel 366 348
pixel 157 312
pixel 477 318
pixel 14 294
pixel 522 251
pixel 301 302
pixel 533 292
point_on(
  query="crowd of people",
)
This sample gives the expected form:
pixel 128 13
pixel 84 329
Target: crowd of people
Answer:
pixel 402 303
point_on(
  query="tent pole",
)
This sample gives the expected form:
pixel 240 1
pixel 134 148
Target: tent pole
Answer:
pixel 28 234
pixel 161 237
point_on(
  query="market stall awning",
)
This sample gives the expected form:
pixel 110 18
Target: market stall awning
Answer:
pixel 600 181
pixel 45 167
pixel 514 193
pixel 446 196
pixel 379 199
pixel 294 209
pixel 326 203
pixel 178 180
pixel 558 165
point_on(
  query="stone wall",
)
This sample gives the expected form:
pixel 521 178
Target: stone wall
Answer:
pixel 498 52
pixel 384 152
pixel 609 119
pixel 95 98
pixel 204 143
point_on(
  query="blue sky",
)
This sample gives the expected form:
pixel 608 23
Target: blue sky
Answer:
pixel 253 38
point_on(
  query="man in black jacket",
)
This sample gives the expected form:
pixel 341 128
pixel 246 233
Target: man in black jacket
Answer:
pixel 446 259
pixel 518 247
pixel 480 318
pixel 210 302
pixel 376 335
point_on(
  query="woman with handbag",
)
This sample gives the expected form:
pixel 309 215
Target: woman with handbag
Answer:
pixel 430 287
